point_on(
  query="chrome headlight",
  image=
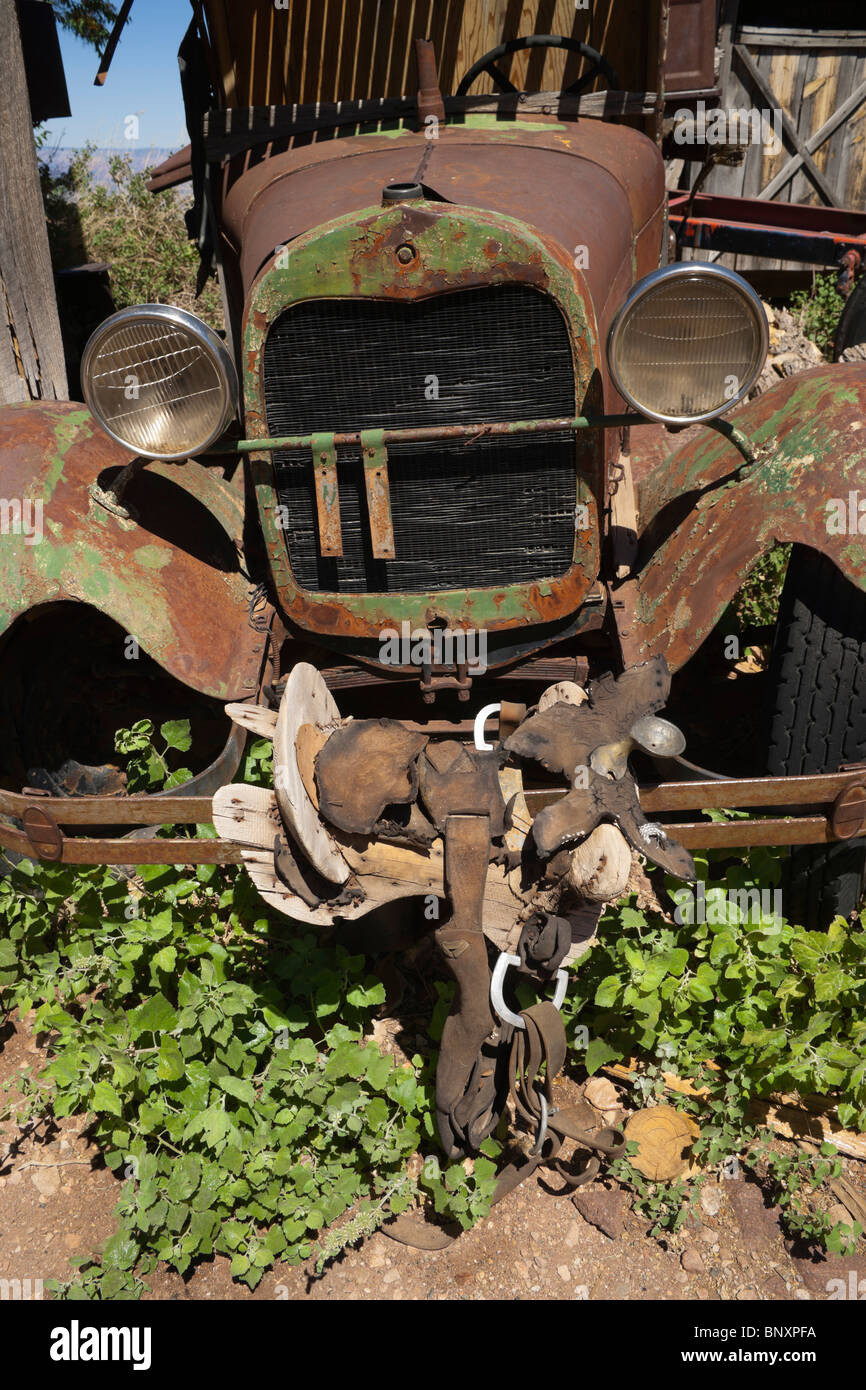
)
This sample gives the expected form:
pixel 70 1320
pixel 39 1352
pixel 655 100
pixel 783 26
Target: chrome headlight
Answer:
pixel 688 343
pixel 159 381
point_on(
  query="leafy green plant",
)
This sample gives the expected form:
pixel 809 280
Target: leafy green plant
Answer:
pixel 793 1178
pixel 775 1007
pixel 90 20
pixel 756 604
pixel 225 1059
pixel 141 235
pixel 818 310
pixel 146 765
pixel 666 1205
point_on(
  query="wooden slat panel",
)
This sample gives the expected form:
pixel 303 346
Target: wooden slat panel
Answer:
pixel 811 81
pixel 297 22
pixel 819 100
pixel 839 144
pixel 353 49
pixel 855 185
pixel 32 363
pixel 314 46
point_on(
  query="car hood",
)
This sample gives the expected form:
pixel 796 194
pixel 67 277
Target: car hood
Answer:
pixel 596 189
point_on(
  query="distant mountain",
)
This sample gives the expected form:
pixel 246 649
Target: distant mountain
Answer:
pixel 58 160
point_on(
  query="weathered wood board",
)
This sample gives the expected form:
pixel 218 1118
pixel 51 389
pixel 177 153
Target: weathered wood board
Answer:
pixel 32 366
pixel 339 50
pixel 819 80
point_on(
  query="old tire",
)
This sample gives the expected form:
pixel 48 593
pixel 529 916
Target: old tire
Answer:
pixel 851 328
pixel 818 722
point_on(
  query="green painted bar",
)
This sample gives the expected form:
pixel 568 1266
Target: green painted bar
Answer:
pixel 432 434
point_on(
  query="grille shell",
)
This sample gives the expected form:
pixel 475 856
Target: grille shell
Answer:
pixel 482 515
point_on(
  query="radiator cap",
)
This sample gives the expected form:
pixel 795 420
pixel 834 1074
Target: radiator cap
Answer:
pixel 402 192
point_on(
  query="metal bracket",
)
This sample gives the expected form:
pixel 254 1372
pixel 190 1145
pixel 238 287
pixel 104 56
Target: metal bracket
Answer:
pixel 327 495
pixel 378 493
pixel 497 981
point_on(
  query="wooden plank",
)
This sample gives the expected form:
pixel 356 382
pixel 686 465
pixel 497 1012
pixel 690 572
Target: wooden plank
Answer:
pixel 337 49
pixel 785 77
pixel 445 30
pixel 113 40
pixel 296 53
pixel 838 148
pixel 314 45
pixel 840 115
pixel 346 53
pixel 247 817
pixel 822 96
pixel 385 21
pixel 260 721
pixel 542 67
pixel 35 367
pixel 333 33
pixel 402 69
pixel 759 81
pixel 727 30
pixel 811 40
pixel 855 134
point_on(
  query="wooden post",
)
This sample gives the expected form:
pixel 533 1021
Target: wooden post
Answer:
pixel 31 351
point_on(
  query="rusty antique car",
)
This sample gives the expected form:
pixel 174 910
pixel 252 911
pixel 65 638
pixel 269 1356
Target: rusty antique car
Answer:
pixel 471 442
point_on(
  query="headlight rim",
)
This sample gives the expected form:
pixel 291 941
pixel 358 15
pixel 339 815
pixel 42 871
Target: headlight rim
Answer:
pixel 213 343
pixel 681 270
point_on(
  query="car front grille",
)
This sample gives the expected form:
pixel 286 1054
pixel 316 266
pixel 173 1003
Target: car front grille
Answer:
pixel 484 514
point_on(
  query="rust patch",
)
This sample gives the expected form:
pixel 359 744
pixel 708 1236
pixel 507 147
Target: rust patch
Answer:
pixel 707 518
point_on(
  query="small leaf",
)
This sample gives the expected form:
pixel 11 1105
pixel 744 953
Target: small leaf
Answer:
pixel 106 1099
pixel 176 734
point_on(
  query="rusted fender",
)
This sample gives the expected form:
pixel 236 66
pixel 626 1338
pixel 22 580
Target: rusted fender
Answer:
pixel 704 524
pixel 171 578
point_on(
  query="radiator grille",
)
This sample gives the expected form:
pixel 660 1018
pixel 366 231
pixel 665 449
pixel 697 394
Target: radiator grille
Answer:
pixel 494 512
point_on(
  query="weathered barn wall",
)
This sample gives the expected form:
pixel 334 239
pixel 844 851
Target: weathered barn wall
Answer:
pixel 819 80
pixel 332 50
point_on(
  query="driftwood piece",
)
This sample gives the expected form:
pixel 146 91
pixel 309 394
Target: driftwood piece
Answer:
pixel 306 700
pixel 248 816
pixel 362 768
pixel 382 872
pixel 563 693
pixel 600 867
pixel 257 718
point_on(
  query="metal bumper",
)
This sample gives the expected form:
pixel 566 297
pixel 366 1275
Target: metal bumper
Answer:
pixel 830 807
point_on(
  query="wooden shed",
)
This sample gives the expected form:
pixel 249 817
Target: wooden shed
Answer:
pixel 773 57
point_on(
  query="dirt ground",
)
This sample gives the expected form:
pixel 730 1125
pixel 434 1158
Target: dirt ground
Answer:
pixel 57 1200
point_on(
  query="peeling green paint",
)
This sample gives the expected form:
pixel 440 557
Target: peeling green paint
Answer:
pixel 811 448
pixel 190 615
pixel 67 430
pixel 399 128
pixel 152 557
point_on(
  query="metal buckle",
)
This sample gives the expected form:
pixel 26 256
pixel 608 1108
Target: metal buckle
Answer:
pixel 497 981
pixel 546 1112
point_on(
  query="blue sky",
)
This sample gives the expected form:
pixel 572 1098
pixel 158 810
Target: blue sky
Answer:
pixel 143 80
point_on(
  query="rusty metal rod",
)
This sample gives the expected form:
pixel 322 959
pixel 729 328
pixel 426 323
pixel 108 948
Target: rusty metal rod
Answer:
pixel 740 834
pixel 432 434
pixel 112 810
pixel 812 789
